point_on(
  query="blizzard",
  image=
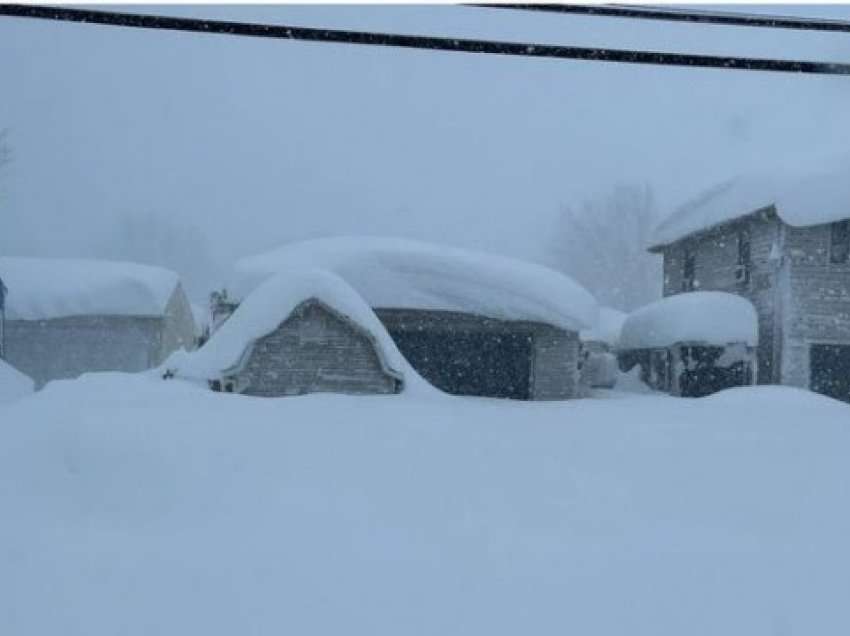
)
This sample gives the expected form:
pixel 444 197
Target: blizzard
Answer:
pixel 134 505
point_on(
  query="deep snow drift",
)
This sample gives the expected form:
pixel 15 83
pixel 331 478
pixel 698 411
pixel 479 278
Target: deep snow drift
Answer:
pixel 392 272
pixel 135 506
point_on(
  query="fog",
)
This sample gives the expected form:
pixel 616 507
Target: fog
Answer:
pixel 233 145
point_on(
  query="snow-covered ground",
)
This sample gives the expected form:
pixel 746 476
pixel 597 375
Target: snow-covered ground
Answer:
pixel 132 505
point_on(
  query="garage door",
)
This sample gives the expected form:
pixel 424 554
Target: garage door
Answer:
pixel 464 363
pixel 830 370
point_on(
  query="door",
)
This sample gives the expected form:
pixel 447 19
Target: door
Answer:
pixel 830 370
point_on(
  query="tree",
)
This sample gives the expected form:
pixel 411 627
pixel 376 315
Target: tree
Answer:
pixel 5 148
pixel 602 245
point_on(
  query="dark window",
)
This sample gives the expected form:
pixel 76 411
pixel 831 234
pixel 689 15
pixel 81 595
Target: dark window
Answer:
pixel 688 271
pixel 742 271
pixel 839 243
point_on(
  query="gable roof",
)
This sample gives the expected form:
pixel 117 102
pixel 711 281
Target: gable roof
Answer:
pixel 800 198
pixel 398 273
pixel 44 288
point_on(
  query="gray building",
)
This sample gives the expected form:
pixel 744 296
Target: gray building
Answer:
pixel 789 254
pixel 69 317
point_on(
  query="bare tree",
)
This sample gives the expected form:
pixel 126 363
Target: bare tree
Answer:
pixel 602 245
pixel 5 148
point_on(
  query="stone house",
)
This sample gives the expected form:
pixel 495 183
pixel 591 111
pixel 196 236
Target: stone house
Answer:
pixel 784 244
pixel 468 323
pixel 66 317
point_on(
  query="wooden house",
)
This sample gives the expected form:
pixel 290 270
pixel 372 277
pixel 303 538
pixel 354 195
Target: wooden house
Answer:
pixel 784 244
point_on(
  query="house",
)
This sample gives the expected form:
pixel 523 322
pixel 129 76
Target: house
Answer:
pixel 782 242
pixel 3 291
pixel 298 333
pixel 691 344
pixel 598 346
pixel 469 323
pixel 65 317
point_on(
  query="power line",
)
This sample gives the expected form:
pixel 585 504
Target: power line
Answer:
pixel 309 34
pixel 683 15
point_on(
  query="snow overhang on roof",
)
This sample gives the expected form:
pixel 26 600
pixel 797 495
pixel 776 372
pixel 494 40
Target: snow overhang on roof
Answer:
pixel 800 198
pixel 396 273
pixel 708 318
pixel 40 288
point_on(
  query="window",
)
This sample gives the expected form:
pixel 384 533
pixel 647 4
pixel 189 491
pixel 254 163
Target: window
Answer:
pixel 742 270
pixel 688 271
pixel 839 242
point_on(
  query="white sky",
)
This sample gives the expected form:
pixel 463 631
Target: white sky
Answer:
pixel 262 141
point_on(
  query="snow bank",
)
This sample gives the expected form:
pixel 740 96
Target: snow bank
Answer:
pixel 13 383
pixel 801 197
pixel 40 289
pixel 136 507
pixel 389 272
pixel 711 318
pixel 271 303
pixel 607 327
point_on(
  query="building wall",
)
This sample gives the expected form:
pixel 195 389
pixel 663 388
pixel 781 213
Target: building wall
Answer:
pixel 716 258
pixel 67 347
pixel 818 300
pixel 314 350
pixel 553 365
pixel 178 330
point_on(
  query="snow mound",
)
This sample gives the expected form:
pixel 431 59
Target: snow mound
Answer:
pixel 13 383
pixel 396 273
pixel 710 318
pixel 607 327
pixel 801 199
pixel 262 311
pixel 40 289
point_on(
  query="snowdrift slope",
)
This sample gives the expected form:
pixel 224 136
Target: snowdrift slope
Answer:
pixel 136 506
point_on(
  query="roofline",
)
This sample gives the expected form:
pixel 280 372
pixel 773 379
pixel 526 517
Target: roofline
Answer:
pixel 658 248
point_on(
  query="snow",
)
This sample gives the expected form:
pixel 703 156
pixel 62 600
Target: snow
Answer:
pixel 13 384
pixel 710 318
pixel 262 311
pixel 41 289
pixel 607 327
pixel 397 273
pixel 201 316
pixel 802 197
pixel 135 506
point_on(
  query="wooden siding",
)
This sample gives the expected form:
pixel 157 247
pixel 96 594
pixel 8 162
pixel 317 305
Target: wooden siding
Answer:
pixel 178 328
pixel 312 351
pixel 716 253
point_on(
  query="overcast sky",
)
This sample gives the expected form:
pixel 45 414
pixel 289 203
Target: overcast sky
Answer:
pixel 258 142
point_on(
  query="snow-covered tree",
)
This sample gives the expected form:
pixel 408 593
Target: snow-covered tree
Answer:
pixel 602 244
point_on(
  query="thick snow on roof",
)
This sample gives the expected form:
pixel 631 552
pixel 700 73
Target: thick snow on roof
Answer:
pixel 607 327
pixel 801 198
pixel 271 303
pixel 389 272
pixel 54 288
pixel 13 383
pixel 711 318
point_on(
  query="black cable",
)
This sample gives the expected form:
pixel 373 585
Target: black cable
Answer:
pixel 683 15
pixel 309 34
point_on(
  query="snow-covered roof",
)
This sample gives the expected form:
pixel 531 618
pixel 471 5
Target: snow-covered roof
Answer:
pixel 262 311
pixel 41 288
pixel 389 272
pixel 801 198
pixel 705 317
pixel 13 383
pixel 607 327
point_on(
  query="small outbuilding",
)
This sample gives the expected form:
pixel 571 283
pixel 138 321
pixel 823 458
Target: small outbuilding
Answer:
pixel 692 344
pixel 298 333
pixel 469 323
pixel 65 317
